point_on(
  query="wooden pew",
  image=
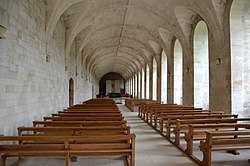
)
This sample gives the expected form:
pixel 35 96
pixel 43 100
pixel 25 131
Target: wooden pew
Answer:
pixel 79 130
pixel 93 109
pixel 100 101
pixel 164 116
pixel 149 114
pixel 154 106
pixel 99 118
pixel 89 114
pixel 155 114
pixel 68 146
pixel 87 107
pixel 78 123
pixel 240 140
pixel 180 124
pixel 197 132
pixel 73 131
pixel 132 103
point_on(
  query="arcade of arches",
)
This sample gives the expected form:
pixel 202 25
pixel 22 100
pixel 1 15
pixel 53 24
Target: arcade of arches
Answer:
pixel 175 51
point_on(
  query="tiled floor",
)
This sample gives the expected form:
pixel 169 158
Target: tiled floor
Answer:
pixel 151 150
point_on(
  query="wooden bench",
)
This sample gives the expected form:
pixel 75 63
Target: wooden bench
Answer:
pixel 147 107
pixel 150 113
pixel 78 123
pixel 156 113
pixel 240 140
pixel 73 131
pixel 99 118
pixel 184 122
pixel 89 114
pixel 164 116
pixel 93 107
pixel 132 103
pixel 76 131
pixel 180 125
pixel 157 117
pixel 100 101
pixel 197 132
pixel 90 109
pixel 68 146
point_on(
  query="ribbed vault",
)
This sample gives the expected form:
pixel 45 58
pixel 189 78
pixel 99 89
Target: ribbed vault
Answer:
pixel 123 35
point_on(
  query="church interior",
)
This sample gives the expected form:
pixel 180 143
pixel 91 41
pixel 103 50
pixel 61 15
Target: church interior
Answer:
pixel 124 82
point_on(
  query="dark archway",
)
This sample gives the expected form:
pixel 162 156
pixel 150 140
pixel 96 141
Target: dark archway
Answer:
pixel 112 85
pixel 71 92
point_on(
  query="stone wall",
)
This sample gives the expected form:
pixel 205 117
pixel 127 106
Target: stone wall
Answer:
pixel 31 87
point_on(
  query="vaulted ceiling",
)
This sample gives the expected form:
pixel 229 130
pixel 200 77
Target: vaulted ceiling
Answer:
pixel 122 35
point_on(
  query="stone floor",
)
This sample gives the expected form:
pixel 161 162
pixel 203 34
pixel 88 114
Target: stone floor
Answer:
pixel 151 150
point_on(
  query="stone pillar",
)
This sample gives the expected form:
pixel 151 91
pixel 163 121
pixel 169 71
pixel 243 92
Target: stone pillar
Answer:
pixel 188 77
pixel 170 79
pixel 220 70
pixel 158 90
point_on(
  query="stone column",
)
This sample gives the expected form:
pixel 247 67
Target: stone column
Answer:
pixel 158 88
pixel 220 70
pixel 134 95
pixel 138 89
pixel 170 75
pixel 188 77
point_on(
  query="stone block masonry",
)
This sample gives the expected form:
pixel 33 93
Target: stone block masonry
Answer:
pixel 30 87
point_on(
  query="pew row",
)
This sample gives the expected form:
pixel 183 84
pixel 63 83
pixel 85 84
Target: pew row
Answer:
pixel 196 132
pixel 68 146
pixel 73 131
pixel 164 116
pixel 78 123
pixel 88 114
pixel 99 118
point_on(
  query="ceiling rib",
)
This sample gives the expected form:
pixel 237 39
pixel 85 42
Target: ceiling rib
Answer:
pixel 121 32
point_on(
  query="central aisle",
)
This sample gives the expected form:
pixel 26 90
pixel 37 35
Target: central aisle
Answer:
pixel 151 148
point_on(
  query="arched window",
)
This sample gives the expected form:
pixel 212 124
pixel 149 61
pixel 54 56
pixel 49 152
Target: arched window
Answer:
pixel 139 85
pixel 240 56
pixel 147 82
pixel 143 84
pixel 178 70
pixel 136 86
pixel 133 86
pixel 71 92
pixel 154 79
pixel 201 66
pixel 164 76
